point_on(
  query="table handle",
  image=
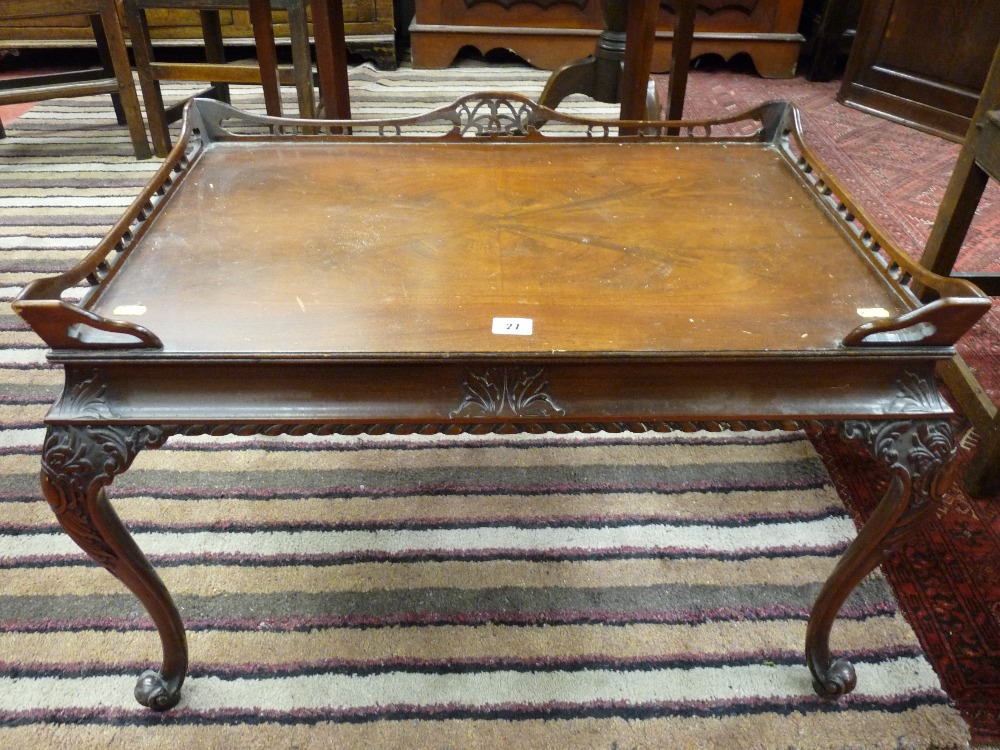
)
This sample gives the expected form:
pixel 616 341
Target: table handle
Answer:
pixel 939 323
pixel 60 325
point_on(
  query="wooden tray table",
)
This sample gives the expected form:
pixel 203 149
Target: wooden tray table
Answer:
pixel 363 277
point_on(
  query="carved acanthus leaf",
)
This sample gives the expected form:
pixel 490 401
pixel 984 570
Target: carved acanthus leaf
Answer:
pixel 917 394
pixel 77 463
pixel 86 398
pixel 920 456
pixel 506 392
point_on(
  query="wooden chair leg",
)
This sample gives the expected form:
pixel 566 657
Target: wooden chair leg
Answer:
pixel 215 50
pixel 104 54
pixel 331 58
pixel 639 37
pixel 680 62
pixel 267 54
pixel 298 30
pixel 118 57
pixel 963 195
pixel 142 48
pixel 975 166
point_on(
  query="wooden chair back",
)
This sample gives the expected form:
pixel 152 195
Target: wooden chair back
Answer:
pixel 113 76
pixel 978 163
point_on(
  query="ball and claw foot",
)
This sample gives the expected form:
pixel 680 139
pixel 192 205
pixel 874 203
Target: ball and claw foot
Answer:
pixel 155 692
pixel 838 679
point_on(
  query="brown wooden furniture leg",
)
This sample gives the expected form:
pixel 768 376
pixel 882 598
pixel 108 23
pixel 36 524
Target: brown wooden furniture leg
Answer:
pixel 982 478
pixel 111 43
pixel 599 75
pixel 331 58
pixel 215 48
pixel 152 94
pixel 104 55
pixel 618 71
pixel 920 455
pixel 77 464
pixel 267 54
pixel 680 62
pixel 298 27
pixel 640 33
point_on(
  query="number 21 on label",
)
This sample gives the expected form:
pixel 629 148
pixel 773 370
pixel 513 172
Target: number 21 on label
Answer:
pixel 512 326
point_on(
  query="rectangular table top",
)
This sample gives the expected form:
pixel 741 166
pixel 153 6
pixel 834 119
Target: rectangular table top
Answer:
pixel 420 247
pixel 498 238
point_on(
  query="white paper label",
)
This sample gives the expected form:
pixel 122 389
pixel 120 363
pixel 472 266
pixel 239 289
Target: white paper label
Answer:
pixel 873 312
pixel 512 326
pixel 130 310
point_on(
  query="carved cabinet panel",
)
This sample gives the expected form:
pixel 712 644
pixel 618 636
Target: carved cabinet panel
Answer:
pixel 922 62
pixel 551 33
pixel 370 27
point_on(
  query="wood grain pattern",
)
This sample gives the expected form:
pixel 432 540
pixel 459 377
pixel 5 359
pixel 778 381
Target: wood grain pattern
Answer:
pixel 607 247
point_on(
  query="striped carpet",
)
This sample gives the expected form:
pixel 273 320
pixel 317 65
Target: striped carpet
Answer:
pixel 585 591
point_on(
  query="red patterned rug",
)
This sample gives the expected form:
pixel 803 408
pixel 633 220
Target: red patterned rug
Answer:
pixel 948 578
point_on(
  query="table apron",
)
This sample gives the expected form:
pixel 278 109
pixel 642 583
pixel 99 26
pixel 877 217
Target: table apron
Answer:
pixel 313 392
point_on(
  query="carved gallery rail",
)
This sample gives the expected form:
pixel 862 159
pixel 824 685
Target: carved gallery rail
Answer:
pixel 288 276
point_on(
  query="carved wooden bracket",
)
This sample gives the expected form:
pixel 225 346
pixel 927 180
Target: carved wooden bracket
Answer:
pixel 77 463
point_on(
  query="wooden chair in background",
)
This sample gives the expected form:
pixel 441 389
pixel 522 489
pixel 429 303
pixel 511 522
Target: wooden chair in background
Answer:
pixel 214 69
pixel 331 53
pixel 978 162
pixel 114 76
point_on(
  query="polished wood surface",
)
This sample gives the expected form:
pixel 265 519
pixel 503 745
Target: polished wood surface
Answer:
pixel 365 280
pixel 607 247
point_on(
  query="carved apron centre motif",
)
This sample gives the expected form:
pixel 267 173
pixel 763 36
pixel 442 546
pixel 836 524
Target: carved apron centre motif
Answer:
pixel 506 392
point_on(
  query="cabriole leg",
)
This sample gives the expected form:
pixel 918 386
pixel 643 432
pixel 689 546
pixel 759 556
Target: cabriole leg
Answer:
pixel 78 462
pixel 920 455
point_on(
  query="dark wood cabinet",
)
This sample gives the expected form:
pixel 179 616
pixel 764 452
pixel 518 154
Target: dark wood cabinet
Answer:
pixel 922 62
pixel 829 27
pixel 551 33
pixel 370 29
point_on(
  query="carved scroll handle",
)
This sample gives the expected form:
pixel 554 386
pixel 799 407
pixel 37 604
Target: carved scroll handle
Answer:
pixel 938 323
pixel 62 325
